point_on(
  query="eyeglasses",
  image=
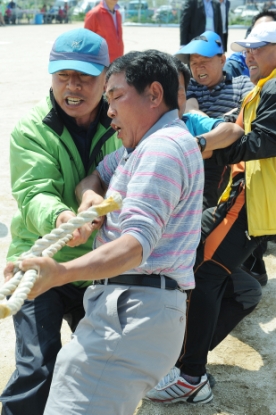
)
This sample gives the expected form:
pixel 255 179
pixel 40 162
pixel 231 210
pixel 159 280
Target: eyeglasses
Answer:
pixel 253 51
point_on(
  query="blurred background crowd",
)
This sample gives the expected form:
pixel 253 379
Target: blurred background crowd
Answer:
pixel 137 11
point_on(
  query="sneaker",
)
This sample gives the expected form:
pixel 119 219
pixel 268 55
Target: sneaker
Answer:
pixel 173 388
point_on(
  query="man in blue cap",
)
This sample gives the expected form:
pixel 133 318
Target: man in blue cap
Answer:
pixel 53 148
pixel 215 93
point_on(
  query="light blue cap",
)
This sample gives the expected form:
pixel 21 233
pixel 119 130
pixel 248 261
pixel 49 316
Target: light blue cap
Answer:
pixel 79 50
pixel 207 44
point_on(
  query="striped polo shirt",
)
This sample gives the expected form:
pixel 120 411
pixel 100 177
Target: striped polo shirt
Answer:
pixel 224 97
pixel 161 183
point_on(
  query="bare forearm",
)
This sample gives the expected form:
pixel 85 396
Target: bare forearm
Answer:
pixel 222 136
pixel 90 183
pixel 193 107
pixel 107 261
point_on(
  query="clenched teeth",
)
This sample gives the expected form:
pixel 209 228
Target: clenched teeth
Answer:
pixel 73 101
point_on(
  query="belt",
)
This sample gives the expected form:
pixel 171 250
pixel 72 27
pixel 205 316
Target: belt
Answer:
pixel 143 280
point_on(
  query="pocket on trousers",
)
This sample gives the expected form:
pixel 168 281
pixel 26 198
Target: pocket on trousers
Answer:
pixel 175 309
pixel 115 302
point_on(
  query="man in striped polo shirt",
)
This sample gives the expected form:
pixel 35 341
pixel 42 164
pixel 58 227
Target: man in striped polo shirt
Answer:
pixel 214 93
pixel 135 317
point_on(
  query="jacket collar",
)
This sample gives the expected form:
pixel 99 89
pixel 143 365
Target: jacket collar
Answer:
pixel 53 120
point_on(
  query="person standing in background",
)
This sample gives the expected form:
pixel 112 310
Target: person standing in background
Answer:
pixel 2 12
pixel 106 20
pixel 224 9
pixel 198 16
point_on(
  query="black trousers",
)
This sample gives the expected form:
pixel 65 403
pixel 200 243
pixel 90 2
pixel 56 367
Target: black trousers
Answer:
pixel 37 328
pixel 219 301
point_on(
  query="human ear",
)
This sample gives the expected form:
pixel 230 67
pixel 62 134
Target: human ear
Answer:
pixel 156 93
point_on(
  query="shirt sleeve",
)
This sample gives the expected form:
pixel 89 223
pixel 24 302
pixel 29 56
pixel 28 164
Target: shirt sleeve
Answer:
pixel 206 124
pixel 261 141
pixel 37 181
pixel 157 185
pixel 108 165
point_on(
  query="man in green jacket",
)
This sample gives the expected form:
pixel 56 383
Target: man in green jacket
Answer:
pixel 52 149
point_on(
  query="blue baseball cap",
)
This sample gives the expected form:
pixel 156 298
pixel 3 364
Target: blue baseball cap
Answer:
pixel 207 44
pixel 79 50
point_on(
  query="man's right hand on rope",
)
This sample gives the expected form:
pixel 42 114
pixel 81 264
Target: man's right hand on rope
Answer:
pixel 89 199
pixel 90 192
pixel 79 235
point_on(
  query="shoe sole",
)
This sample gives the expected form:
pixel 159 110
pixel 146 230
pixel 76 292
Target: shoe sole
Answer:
pixel 182 400
pixel 179 400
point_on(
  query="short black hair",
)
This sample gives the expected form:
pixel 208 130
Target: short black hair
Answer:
pixel 264 13
pixel 183 68
pixel 143 68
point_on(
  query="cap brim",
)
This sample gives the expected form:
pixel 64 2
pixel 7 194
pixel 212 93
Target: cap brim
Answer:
pixel 241 45
pixel 88 68
pixel 195 47
pixel 183 58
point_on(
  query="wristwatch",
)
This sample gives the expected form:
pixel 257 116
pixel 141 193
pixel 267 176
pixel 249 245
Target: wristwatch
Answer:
pixel 201 141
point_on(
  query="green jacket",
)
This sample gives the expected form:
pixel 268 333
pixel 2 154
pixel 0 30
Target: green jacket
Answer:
pixel 45 169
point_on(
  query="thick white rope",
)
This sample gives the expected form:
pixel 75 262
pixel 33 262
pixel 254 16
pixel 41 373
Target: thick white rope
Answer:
pixel 21 283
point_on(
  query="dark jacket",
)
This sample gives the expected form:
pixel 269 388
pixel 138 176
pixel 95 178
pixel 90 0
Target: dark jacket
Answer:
pixel 257 147
pixel 225 35
pixel 193 20
pixel 260 142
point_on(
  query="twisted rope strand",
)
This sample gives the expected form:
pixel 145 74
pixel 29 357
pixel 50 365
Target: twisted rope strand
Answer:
pixel 21 283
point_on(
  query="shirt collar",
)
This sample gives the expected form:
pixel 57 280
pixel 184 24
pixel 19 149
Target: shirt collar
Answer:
pixel 107 8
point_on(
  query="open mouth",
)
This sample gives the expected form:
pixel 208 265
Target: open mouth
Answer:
pixel 252 68
pixel 117 129
pixel 202 76
pixel 73 101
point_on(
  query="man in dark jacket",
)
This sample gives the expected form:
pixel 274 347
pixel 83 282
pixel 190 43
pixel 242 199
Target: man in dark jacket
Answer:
pixel 198 16
pixel 224 8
